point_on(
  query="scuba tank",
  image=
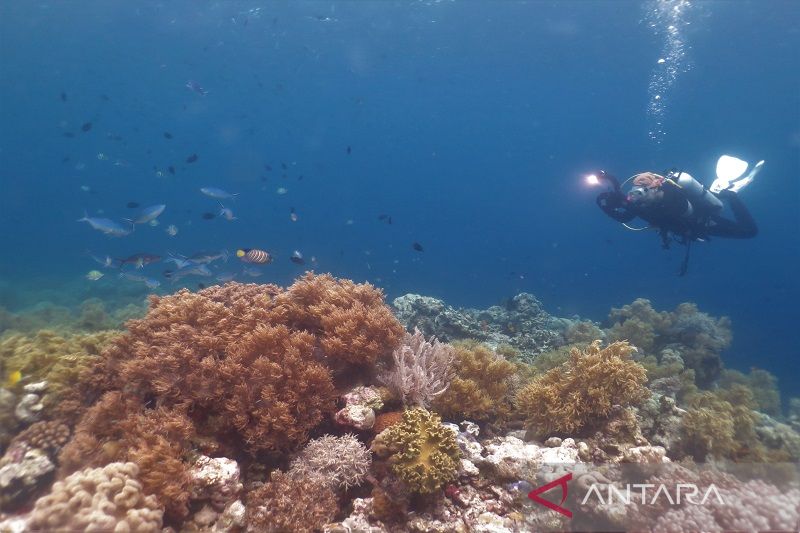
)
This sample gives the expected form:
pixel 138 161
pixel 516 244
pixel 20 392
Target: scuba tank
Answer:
pixel 700 199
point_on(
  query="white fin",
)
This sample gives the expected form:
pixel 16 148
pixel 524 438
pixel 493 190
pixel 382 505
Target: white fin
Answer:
pixel 729 168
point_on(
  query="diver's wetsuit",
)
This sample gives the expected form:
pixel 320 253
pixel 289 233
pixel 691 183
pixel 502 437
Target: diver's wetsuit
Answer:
pixel 668 216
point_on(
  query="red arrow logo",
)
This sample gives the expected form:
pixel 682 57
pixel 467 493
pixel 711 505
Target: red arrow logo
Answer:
pixel 562 482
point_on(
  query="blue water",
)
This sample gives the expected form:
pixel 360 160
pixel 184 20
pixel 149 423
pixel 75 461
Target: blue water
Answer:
pixel 469 123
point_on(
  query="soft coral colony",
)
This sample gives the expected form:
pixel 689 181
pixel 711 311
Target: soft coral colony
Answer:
pixel 249 407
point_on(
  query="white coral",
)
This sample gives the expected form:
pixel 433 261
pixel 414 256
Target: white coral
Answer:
pixel 342 461
pixel 422 370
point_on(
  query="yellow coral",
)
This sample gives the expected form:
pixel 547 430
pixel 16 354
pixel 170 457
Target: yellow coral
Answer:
pixel 424 453
pixel 583 390
pixel 480 389
pixel 53 356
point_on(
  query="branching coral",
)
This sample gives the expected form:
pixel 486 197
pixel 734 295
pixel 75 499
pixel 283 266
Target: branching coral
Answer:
pixel 582 391
pixel 100 499
pixel 291 503
pixel 342 461
pixel 422 370
pixel 761 383
pixel 721 425
pixel 480 388
pixel 424 453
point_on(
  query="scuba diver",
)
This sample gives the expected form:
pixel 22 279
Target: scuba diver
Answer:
pixel 680 207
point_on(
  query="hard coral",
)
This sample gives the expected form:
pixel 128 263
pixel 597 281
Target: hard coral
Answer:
pixel 342 461
pixel 100 499
pixel 48 436
pixel 582 391
pixel 350 320
pixel 424 453
pixel 480 388
pixel 422 370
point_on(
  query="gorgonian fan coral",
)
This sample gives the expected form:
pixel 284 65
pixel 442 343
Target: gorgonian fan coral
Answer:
pixel 582 391
pixel 422 370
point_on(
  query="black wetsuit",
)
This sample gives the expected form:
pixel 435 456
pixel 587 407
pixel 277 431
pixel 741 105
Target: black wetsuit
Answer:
pixel 667 215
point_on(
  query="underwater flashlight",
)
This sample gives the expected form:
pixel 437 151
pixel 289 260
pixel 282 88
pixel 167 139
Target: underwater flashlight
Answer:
pixel 592 180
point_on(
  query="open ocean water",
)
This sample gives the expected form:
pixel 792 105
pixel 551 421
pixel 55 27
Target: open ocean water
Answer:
pixel 429 147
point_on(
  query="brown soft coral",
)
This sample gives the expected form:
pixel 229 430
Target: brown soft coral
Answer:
pixel 351 320
pixel 157 440
pixel 291 503
pixel 582 391
pixel 481 386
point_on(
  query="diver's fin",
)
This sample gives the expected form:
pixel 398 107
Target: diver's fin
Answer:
pixel 741 183
pixel 731 174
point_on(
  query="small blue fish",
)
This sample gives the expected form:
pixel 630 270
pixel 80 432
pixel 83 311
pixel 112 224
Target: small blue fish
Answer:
pixel 107 226
pixel 149 213
pixel 519 486
pixel 214 192
pixel 150 283
pixel 252 272
pixel 194 86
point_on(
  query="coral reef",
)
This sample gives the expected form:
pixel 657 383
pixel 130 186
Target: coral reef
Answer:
pixel 291 503
pixel 480 388
pixel 698 337
pixel 581 392
pixel 422 370
pixel 98 499
pixel 349 320
pixel 521 322
pixel 423 453
pixel 342 461
pixel 230 409
pixel 53 357
pixel 119 429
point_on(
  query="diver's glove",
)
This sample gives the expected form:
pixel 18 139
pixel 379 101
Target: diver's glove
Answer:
pixel 615 205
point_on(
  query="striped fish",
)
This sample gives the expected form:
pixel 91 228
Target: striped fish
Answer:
pixel 254 255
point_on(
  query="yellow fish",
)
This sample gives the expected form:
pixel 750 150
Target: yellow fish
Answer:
pixel 13 378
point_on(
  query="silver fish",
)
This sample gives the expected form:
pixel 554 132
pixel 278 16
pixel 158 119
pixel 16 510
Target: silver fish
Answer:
pixel 107 226
pixel 214 192
pixel 208 257
pixel 190 270
pixel 252 272
pixel 225 277
pixel 226 213
pixel 150 283
pixel 149 214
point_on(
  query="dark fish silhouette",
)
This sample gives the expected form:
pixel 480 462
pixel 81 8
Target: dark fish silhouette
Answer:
pixel 418 247
pixel 268 168
pixel 171 170
pixel 201 285
pixel 63 96
pixel 349 150
pixel 283 166
pixel 208 216
pixel 132 205
pixel 192 158
pixel 385 218
pixel 68 134
pixel 167 135
pixel 86 126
